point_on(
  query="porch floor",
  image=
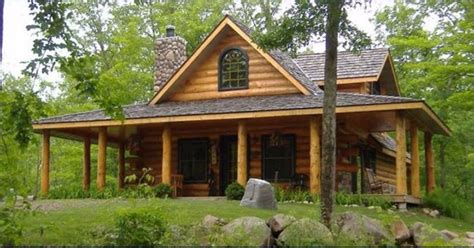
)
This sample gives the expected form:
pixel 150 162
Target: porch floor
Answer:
pixel 400 198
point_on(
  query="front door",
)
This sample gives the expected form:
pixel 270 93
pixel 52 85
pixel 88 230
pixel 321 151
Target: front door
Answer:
pixel 228 161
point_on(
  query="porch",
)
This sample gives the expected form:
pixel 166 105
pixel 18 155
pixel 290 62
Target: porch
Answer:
pixel 203 156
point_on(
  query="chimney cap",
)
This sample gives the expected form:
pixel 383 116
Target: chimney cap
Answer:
pixel 170 30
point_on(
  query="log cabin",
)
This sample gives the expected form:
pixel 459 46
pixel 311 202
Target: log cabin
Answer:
pixel 232 111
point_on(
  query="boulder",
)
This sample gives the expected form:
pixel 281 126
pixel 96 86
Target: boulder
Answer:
pixel 245 231
pixel 425 235
pixel 211 221
pixel 400 231
pixel 305 232
pixel 448 234
pixel 354 229
pixel 434 213
pixel 279 222
pixel 259 194
pixel 470 235
pixel 426 211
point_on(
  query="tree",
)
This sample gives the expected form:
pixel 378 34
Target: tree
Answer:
pixel 303 22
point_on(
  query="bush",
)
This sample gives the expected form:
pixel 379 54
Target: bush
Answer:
pixel 282 195
pixel 163 191
pixel 144 227
pixel 10 230
pixel 362 200
pixel 234 191
pixel 448 204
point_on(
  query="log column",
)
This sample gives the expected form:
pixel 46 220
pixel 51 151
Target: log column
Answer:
pixel 314 156
pixel 415 161
pixel 401 169
pixel 242 154
pixel 45 153
pixel 86 173
pixel 166 158
pixel 430 176
pixel 101 158
pixel 121 167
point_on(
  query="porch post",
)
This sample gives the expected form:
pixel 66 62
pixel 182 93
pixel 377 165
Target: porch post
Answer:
pixel 86 173
pixel 430 177
pixel 166 156
pixel 101 158
pixel 314 156
pixel 401 170
pixel 415 161
pixel 121 168
pixel 242 154
pixel 45 153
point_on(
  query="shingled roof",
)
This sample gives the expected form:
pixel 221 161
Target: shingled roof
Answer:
pixel 229 105
pixel 349 65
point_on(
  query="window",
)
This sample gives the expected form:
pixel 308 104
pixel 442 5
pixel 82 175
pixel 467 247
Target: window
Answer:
pixel 278 157
pixel 233 70
pixel 375 88
pixel 193 159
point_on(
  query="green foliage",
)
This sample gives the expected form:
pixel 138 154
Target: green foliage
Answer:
pixel 234 191
pixel 449 204
pixel 287 195
pixel 343 198
pixel 139 227
pixel 10 229
pixel 163 190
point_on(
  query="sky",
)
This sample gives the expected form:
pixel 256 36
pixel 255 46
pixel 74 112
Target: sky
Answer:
pixel 18 41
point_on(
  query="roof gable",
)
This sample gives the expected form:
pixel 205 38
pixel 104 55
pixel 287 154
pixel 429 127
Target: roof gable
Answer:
pixel 282 64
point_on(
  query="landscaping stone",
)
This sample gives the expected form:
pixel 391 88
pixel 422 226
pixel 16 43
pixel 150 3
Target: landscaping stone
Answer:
pixel 259 194
pixel 31 197
pixel 306 232
pixel 434 213
pixel 355 229
pixel 279 222
pixel 251 230
pixel 448 234
pixel 400 231
pixel 425 235
pixel 211 221
pixel 470 235
pixel 426 211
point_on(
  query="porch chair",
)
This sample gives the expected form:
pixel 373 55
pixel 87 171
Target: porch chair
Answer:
pixel 375 185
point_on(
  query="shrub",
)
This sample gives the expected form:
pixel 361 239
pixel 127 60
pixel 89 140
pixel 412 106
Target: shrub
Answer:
pixel 234 191
pixel 163 191
pixel 144 227
pixel 448 204
pixel 297 195
pixel 10 230
pixel 343 198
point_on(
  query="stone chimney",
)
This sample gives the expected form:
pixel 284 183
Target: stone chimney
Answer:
pixel 170 55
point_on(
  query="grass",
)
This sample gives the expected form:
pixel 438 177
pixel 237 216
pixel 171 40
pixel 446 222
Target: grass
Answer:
pixel 86 221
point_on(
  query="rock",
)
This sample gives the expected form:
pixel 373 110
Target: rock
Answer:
pixel 279 222
pixel 434 213
pixel 211 221
pixel 245 231
pixel 306 232
pixel 426 211
pixel 354 229
pixel 425 235
pixel 258 194
pixel 448 234
pixel 470 235
pixel 31 197
pixel 400 231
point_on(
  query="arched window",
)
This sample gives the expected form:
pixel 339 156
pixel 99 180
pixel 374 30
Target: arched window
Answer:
pixel 233 70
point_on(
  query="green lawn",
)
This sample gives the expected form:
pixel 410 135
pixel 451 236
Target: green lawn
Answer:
pixel 85 222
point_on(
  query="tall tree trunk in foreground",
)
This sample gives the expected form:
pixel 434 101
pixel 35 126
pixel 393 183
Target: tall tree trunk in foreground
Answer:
pixel 328 172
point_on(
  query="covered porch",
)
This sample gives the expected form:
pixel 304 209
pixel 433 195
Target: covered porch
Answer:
pixel 201 154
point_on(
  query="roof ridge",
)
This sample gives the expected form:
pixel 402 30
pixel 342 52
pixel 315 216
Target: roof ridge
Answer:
pixel 345 51
pixel 378 96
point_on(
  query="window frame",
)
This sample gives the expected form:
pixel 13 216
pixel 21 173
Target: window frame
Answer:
pixel 292 158
pixel 220 79
pixel 206 142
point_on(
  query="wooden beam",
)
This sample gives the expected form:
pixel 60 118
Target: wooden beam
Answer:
pixel 415 161
pixel 401 153
pixel 356 80
pixel 430 176
pixel 101 158
pixel 314 156
pixel 242 154
pixel 45 153
pixel 86 171
pixel 166 158
pixel 121 166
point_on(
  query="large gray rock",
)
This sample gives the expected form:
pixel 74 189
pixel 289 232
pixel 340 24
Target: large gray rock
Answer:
pixel 259 194
pixel 279 222
pixel 354 229
pixel 245 231
pixel 425 235
pixel 400 231
pixel 211 221
pixel 305 232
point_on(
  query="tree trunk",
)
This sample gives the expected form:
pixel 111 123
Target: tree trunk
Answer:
pixel 329 113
